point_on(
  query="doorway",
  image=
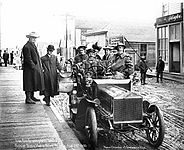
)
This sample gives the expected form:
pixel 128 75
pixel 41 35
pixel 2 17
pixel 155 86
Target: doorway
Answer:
pixel 175 57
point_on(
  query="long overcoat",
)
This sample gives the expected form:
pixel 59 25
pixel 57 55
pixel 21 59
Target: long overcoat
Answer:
pixel 50 66
pixel 32 68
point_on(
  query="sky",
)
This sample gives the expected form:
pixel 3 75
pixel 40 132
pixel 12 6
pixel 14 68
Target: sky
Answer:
pixel 20 17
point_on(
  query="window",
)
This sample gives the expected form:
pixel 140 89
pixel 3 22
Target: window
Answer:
pixel 163 42
pixel 174 32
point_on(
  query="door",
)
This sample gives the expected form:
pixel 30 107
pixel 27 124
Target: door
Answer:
pixel 175 57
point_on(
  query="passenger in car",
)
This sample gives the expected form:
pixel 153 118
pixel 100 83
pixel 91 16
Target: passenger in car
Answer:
pixel 121 64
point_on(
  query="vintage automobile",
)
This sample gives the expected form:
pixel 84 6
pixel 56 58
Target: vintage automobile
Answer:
pixel 114 108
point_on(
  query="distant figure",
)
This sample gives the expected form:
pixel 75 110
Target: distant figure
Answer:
pixel 5 58
pixel 11 58
pixel 143 69
pixel 33 79
pixel 50 65
pixel 159 69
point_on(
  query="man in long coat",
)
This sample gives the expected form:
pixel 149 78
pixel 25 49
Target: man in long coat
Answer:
pixel 143 67
pixel 32 69
pixel 159 69
pixel 50 65
pixel 5 57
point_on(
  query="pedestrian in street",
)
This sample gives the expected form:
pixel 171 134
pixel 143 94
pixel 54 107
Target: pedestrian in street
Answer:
pixel 50 65
pixel 143 69
pixel 11 58
pixel 5 57
pixel 159 69
pixel 33 79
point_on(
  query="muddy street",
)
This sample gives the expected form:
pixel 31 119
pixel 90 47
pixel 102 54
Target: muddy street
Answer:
pixel 169 96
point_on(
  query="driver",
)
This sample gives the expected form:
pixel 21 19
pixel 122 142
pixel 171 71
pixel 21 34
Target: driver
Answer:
pixel 121 63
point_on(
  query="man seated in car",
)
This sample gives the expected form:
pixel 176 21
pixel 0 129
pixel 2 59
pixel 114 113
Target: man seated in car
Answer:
pixel 121 63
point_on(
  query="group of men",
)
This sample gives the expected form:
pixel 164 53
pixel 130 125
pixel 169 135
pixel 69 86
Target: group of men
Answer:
pixel 119 64
pixel 40 74
pixel 6 58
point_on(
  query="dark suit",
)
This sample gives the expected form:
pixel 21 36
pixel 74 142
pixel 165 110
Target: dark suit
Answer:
pixel 159 69
pixel 32 69
pixel 5 58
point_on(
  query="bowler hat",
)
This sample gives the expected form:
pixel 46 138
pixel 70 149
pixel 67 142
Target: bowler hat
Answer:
pixel 50 48
pixel 119 44
pixel 32 34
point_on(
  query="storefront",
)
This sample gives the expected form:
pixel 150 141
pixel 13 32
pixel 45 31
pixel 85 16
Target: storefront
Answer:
pixel 170 42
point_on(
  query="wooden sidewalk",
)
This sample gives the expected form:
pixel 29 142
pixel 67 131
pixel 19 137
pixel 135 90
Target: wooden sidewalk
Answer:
pixel 23 126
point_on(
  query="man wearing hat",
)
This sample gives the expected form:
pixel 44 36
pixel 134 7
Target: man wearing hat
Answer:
pixel 143 69
pixel 81 55
pixel 121 63
pixel 50 65
pixel 32 69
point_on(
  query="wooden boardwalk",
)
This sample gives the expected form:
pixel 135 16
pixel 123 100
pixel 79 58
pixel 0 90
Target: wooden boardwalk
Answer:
pixel 23 126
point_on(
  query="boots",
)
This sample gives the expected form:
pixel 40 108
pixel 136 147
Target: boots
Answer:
pixel 33 98
pixel 47 100
pixel 28 98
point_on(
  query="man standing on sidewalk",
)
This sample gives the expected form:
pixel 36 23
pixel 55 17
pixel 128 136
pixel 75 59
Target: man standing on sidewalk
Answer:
pixel 159 69
pixel 32 69
pixel 5 57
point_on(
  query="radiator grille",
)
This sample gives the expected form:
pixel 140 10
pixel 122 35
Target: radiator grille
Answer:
pixel 128 110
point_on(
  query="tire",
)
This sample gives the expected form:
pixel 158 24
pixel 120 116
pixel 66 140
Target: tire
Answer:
pixel 91 124
pixel 155 134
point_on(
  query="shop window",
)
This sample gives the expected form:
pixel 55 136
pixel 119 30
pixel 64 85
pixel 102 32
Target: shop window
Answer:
pixel 174 31
pixel 163 42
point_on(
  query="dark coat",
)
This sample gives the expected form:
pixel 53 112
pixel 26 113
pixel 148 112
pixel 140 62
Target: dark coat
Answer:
pixel 32 69
pixel 5 56
pixel 50 66
pixel 143 66
pixel 160 66
pixel 122 63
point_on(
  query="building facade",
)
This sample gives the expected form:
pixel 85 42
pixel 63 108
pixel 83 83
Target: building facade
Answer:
pixel 170 38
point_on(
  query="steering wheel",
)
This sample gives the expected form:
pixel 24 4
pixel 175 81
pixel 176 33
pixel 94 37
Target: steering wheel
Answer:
pixel 95 72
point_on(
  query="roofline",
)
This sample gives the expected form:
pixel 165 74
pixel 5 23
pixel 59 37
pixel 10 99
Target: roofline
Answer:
pixel 95 33
pixel 83 28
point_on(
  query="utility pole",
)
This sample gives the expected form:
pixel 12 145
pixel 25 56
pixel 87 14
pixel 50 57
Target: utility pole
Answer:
pixel 66 32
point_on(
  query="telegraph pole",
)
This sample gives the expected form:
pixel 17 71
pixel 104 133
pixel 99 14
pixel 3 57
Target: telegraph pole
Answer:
pixel 66 32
